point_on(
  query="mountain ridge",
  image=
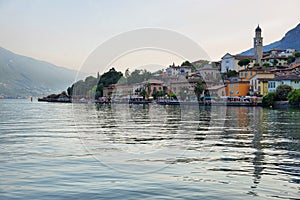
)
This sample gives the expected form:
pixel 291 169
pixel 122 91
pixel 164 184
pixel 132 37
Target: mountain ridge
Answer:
pixel 291 40
pixel 22 76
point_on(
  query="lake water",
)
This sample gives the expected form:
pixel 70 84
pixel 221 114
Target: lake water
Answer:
pixel 84 151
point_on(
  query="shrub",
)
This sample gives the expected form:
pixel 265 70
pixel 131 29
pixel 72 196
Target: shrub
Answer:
pixel 294 96
pixel 269 99
pixel 282 92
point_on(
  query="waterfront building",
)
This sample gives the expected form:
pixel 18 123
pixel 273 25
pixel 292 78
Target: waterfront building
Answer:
pixel 259 82
pixel 291 80
pixel 183 84
pixel 237 88
pixel 154 84
pixel 217 90
pixel 117 90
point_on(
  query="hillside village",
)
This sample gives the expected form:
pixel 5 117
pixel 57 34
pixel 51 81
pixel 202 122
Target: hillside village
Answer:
pixel 233 78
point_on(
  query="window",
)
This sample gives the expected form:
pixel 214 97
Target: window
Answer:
pixel 251 73
pixel 237 92
pixel 231 85
pixel 246 74
pixel 231 92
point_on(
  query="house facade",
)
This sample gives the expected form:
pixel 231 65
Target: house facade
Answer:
pixel 217 90
pixel 178 70
pixel 291 80
pixel 230 62
pixel 258 82
pixel 237 88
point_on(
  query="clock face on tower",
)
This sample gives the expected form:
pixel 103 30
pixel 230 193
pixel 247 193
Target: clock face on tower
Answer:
pixel 258 41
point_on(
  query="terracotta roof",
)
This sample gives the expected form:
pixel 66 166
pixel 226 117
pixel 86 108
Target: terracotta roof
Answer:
pixel 238 81
pixel 216 87
pixel 291 77
pixel 178 67
pixel 293 66
pixel 208 67
pixel 265 79
pixel 275 57
pixel 154 81
pixel 258 68
pixel 239 57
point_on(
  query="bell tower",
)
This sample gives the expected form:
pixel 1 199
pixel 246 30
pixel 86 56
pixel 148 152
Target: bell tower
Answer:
pixel 258 45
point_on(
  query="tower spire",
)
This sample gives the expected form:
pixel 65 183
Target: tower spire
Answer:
pixel 258 45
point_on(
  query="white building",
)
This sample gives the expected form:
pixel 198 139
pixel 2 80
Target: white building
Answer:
pixel 178 70
pixel 287 53
pixel 230 62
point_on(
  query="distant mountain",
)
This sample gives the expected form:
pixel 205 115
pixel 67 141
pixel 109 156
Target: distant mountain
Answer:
pixel 291 40
pixel 22 76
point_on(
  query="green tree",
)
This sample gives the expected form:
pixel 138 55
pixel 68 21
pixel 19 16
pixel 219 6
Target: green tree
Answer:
pixel 108 78
pixel 266 64
pixel 99 91
pixel 155 93
pixel 171 95
pixel 282 91
pixel 230 73
pixel 69 91
pixel 294 96
pixel 291 59
pixel 269 99
pixel 186 63
pixel 274 62
pixel 244 62
pixel 143 93
pixel 138 76
pixel 148 86
pixel 297 54
pixel 199 88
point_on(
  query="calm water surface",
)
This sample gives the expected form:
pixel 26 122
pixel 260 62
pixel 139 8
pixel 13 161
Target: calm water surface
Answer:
pixel 80 151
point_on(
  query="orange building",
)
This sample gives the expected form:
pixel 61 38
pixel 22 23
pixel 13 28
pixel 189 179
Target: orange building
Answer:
pixel 237 88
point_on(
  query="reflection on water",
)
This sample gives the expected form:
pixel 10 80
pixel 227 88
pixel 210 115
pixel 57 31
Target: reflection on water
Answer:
pixel 63 151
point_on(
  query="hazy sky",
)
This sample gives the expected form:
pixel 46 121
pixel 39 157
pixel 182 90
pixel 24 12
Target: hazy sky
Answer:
pixel 65 32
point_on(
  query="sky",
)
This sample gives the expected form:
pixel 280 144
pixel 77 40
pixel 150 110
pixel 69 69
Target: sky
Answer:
pixel 66 32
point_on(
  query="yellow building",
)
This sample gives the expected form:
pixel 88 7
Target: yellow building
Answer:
pixel 263 86
pixel 259 83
